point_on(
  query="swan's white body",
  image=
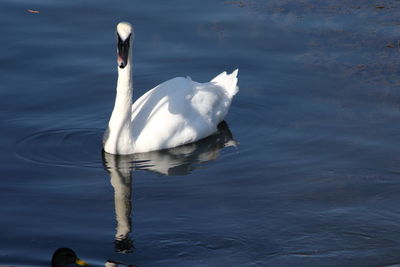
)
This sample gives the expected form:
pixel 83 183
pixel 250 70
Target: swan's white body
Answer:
pixel 176 112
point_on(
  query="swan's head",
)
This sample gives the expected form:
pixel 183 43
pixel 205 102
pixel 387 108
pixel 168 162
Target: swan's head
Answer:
pixel 124 33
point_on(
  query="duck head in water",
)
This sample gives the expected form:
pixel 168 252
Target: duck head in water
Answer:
pixel 65 256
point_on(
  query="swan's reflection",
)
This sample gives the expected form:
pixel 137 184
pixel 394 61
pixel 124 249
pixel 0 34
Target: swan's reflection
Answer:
pixel 120 170
pixel 175 161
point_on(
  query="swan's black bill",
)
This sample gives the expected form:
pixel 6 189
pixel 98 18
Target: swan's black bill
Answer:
pixel 123 52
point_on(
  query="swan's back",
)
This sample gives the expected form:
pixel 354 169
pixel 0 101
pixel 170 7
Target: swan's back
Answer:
pixel 181 111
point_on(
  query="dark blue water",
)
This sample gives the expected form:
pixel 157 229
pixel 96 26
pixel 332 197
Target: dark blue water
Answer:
pixel 314 178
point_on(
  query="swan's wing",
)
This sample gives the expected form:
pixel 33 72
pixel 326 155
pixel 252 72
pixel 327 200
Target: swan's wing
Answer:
pixel 228 82
pixel 213 99
pixel 161 114
pixel 176 112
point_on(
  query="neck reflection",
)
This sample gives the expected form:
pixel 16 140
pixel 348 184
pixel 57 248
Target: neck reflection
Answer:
pixel 120 170
pixel 175 161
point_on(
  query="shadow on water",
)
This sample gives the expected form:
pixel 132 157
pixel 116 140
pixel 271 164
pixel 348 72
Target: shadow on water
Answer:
pixel 175 161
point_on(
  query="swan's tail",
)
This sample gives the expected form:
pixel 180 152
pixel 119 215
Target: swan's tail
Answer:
pixel 228 82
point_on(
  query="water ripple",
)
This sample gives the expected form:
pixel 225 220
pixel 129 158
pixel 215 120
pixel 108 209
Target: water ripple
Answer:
pixel 79 147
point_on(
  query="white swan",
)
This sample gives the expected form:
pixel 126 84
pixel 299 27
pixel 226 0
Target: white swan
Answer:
pixel 176 112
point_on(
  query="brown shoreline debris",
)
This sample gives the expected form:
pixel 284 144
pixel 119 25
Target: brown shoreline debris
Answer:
pixel 33 11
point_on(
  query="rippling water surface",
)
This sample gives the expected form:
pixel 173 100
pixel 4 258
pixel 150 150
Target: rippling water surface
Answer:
pixel 306 170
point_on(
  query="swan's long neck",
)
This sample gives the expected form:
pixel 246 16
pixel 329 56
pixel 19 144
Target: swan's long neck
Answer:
pixel 123 101
pixel 119 139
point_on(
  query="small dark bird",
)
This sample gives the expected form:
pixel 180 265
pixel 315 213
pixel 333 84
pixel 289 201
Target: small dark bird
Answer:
pixel 64 256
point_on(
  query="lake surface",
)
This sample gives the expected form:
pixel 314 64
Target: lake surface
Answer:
pixel 305 172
